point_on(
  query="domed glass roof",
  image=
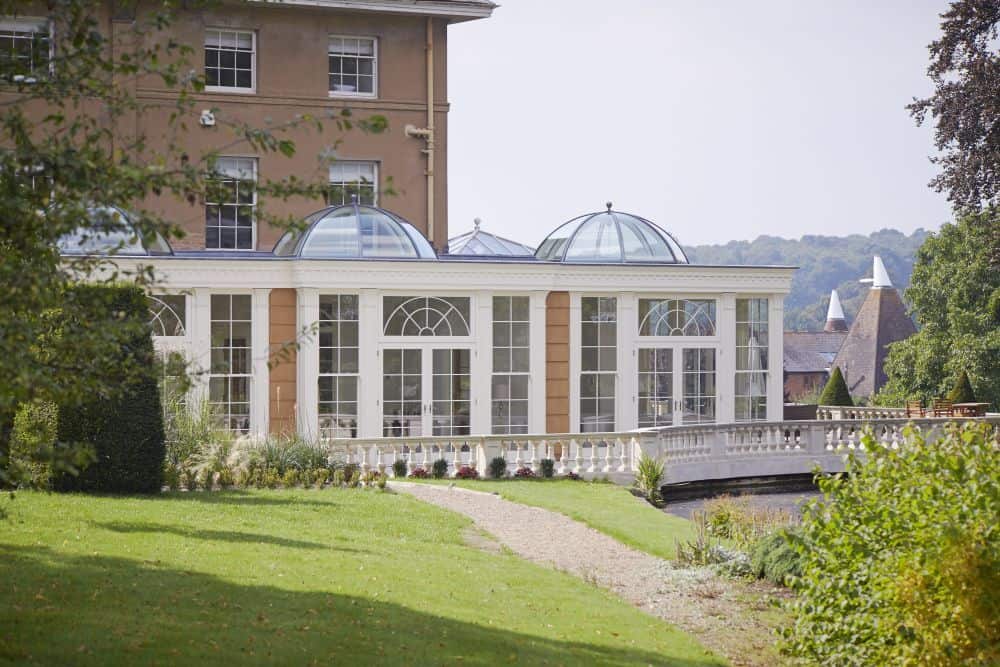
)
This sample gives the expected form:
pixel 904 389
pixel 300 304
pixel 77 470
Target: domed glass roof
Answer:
pixel 608 237
pixel 111 232
pixel 355 232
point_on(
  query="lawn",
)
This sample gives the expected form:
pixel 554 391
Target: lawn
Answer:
pixel 295 577
pixel 609 508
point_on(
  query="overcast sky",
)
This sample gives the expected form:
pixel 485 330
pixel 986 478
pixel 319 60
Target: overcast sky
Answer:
pixel 716 119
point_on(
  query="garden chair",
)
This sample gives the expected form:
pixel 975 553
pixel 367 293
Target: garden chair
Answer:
pixel 942 408
pixel 914 408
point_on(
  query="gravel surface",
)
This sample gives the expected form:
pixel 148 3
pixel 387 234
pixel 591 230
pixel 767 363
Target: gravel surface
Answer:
pixel 695 600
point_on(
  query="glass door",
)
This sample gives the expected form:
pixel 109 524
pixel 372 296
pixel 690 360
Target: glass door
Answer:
pixel 426 391
pixel 676 386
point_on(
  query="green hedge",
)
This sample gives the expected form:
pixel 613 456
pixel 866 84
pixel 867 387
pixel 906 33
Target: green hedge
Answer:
pixel 835 392
pixel 125 428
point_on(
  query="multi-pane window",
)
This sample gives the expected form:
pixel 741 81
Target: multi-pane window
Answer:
pixel 231 204
pixel 425 315
pixel 656 387
pixel 232 362
pixel 25 49
pixel 598 363
pixel 402 396
pixel 751 359
pixel 698 381
pixel 167 314
pixel 353 66
pixel 230 59
pixel 452 382
pixel 338 366
pixel 353 182
pixel 676 317
pixel 511 364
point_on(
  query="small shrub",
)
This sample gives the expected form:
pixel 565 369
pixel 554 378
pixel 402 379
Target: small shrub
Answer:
pixel 419 473
pixel 573 476
pixel 171 476
pixel 399 468
pixel 498 467
pixel 835 392
pixel 439 469
pixel 206 479
pixel 244 478
pixel 306 477
pixel 32 442
pixel 739 519
pixel 467 472
pixel 319 477
pixel 190 478
pixel 381 481
pixel 774 558
pixel 290 479
pixel 355 479
pixel 703 549
pixel 271 479
pixel 371 478
pixel 349 470
pixel 548 468
pixel 339 477
pixel 524 472
pixel 962 391
pixel 649 477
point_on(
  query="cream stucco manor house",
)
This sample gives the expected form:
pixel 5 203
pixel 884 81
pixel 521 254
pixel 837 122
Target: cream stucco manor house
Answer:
pixel 607 327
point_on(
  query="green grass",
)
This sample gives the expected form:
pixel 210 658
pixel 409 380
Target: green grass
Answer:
pixel 609 508
pixel 294 577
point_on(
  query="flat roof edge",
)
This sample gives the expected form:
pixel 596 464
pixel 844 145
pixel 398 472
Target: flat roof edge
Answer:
pixel 458 11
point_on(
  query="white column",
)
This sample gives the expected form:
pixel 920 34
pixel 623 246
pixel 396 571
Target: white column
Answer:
pixel 481 362
pixel 307 362
pixel 537 407
pixel 574 363
pixel 369 365
pixel 627 385
pixel 725 363
pixel 200 334
pixel 261 385
pixel 775 357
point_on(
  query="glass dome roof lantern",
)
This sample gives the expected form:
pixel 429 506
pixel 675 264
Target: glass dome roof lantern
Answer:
pixel 611 237
pixel 353 231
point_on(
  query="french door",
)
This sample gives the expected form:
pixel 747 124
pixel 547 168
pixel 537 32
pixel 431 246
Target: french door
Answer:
pixel 426 390
pixel 677 385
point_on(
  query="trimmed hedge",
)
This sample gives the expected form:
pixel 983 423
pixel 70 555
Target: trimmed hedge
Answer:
pixel 835 392
pixel 125 428
pixel 962 391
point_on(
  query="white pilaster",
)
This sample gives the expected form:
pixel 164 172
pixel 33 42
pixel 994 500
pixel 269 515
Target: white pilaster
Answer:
pixel 261 386
pixel 627 382
pixel 200 333
pixel 369 365
pixel 536 382
pixel 574 362
pixel 725 378
pixel 775 357
pixel 307 362
pixel 482 362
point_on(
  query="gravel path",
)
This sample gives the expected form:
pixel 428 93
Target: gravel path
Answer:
pixel 696 601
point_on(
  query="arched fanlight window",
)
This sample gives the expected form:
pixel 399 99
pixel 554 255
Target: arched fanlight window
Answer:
pixel 426 316
pixel 676 317
pixel 166 315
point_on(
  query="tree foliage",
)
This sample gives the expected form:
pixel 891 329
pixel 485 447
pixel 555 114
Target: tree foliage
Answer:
pixel 954 291
pixel 962 391
pixel 825 263
pixel 71 144
pixel 965 106
pixel 835 392
pixel 901 556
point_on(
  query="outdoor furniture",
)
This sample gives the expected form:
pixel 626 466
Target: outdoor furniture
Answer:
pixel 942 407
pixel 914 408
pixel 970 409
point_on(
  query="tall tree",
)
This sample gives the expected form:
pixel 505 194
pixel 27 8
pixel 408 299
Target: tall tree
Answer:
pixel 70 148
pixel 955 294
pixel 965 106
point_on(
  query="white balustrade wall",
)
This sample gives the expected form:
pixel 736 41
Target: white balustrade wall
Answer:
pixel 690 453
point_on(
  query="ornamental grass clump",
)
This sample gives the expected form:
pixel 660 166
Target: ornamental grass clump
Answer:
pixel 498 467
pixel 901 556
pixel 439 469
pixel 649 478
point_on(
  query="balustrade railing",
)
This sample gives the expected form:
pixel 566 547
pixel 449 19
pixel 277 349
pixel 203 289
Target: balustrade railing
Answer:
pixel 835 412
pixel 699 447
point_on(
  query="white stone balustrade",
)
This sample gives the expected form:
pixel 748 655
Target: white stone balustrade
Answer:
pixel 690 453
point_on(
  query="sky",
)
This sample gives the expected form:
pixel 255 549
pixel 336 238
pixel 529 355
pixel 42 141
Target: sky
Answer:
pixel 717 119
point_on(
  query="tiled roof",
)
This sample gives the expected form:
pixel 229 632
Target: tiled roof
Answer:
pixel 811 351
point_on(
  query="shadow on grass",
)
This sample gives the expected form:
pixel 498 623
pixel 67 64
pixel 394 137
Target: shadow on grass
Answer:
pixel 262 497
pixel 215 535
pixel 59 609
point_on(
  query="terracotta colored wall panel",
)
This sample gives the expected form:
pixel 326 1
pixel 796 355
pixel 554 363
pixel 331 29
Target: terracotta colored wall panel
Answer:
pixel 282 384
pixel 557 362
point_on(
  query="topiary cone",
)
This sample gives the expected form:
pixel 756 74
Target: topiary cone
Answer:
pixel 835 392
pixel 962 391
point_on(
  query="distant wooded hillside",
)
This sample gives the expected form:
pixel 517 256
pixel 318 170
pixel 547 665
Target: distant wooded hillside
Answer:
pixel 825 263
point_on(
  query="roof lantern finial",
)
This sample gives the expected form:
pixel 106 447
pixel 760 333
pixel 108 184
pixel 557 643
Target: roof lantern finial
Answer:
pixel 476 222
pixel 608 204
